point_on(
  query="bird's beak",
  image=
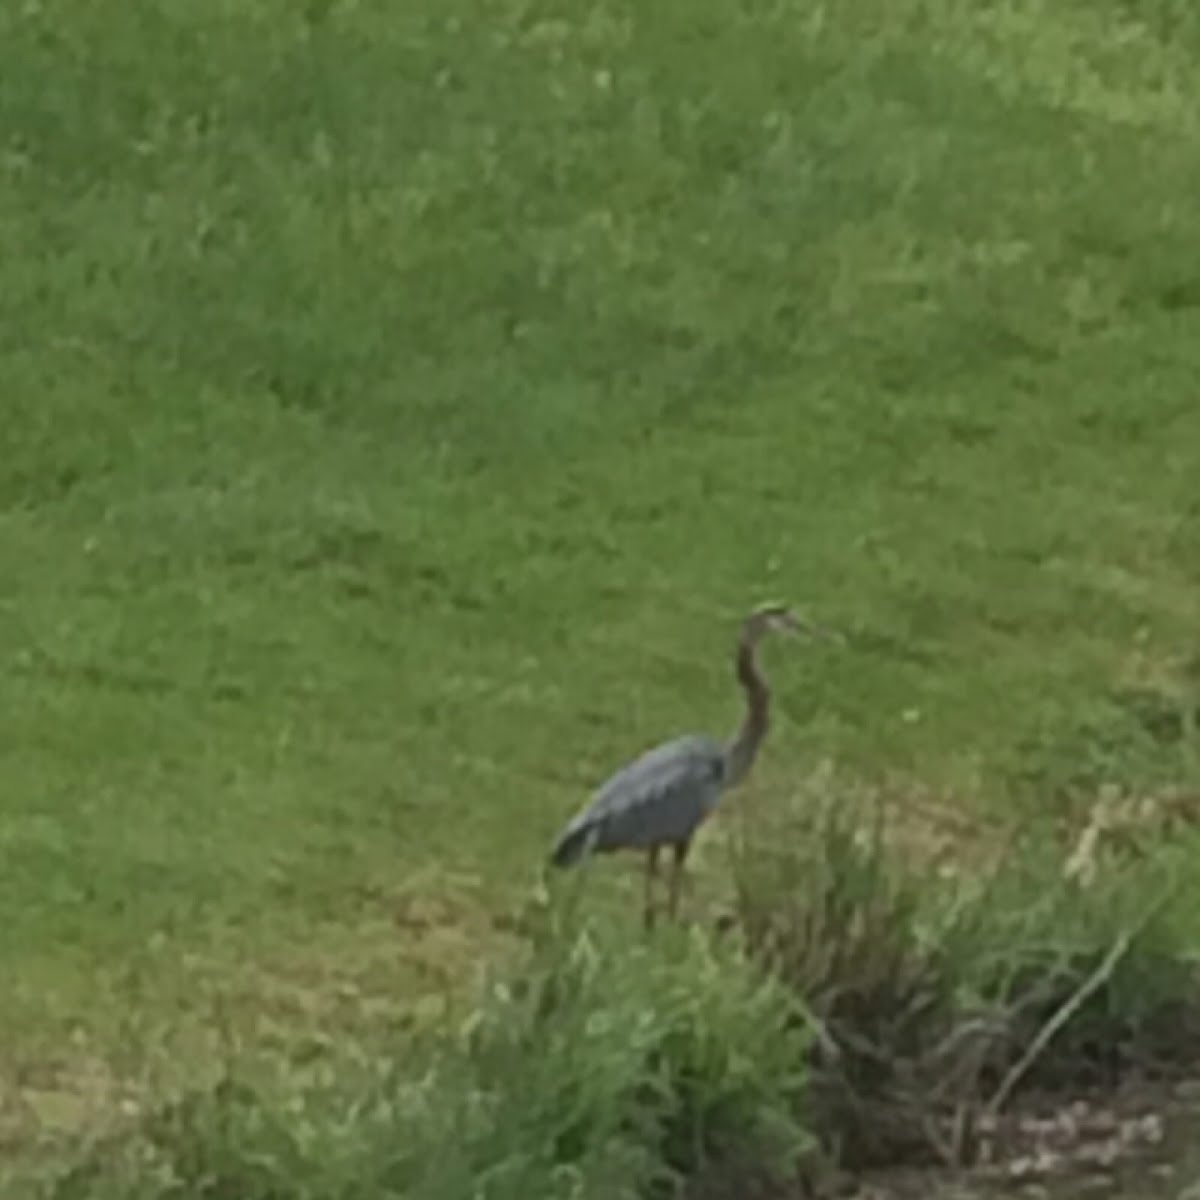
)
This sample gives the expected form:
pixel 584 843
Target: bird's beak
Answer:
pixel 799 628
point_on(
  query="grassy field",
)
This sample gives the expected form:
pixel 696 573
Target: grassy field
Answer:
pixel 402 403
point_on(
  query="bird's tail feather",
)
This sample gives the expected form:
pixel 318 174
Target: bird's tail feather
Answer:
pixel 576 843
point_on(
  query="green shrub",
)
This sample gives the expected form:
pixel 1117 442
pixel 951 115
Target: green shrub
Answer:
pixel 940 995
pixel 602 1070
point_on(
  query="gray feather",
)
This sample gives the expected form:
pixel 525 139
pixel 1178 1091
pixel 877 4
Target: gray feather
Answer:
pixel 658 799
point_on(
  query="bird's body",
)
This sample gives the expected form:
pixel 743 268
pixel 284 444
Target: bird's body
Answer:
pixel 663 796
pixel 658 799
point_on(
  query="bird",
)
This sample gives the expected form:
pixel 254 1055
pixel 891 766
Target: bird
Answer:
pixel 661 798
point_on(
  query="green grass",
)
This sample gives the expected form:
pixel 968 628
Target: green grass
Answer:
pixel 402 403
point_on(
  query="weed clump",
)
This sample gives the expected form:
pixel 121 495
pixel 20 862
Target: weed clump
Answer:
pixel 600 1070
pixel 944 985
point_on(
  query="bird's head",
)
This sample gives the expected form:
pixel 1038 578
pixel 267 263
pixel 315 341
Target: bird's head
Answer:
pixel 779 618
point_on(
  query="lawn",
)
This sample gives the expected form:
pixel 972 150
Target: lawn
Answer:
pixel 402 404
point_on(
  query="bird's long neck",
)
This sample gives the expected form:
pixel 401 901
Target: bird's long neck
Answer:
pixel 743 749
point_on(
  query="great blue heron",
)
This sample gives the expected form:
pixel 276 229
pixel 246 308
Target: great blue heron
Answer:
pixel 661 798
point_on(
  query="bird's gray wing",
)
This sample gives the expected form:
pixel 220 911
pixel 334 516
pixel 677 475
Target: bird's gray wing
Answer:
pixel 659 798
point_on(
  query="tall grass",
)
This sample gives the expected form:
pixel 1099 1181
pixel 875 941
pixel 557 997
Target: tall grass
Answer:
pixel 862 1006
pixel 947 980
pixel 600 1071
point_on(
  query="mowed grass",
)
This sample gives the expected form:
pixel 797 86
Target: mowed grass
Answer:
pixel 402 404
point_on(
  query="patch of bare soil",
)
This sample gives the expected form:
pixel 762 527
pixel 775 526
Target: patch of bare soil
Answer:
pixel 1140 1143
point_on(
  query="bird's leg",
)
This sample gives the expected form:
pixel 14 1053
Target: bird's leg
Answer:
pixel 681 852
pixel 651 874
